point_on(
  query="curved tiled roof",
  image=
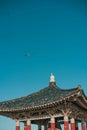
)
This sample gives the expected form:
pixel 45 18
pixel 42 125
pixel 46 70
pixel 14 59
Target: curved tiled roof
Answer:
pixel 47 95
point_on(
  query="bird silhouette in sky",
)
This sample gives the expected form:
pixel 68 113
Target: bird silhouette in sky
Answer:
pixel 27 54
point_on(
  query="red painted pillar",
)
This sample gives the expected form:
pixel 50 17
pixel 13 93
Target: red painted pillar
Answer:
pixel 28 127
pixel 73 124
pixel 52 124
pixel 25 127
pixel 83 126
pixel 66 124
pixel 17 125
pixel 76 126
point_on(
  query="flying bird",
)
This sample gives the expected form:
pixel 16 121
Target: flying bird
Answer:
pixel 27 54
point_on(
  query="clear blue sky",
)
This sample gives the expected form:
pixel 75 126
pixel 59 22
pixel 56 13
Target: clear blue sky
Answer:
pixel 55 33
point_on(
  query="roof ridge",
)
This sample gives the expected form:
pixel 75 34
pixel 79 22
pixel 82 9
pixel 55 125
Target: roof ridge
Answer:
pixel 30 95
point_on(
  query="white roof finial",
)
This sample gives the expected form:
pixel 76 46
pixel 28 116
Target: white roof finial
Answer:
pixel 52 78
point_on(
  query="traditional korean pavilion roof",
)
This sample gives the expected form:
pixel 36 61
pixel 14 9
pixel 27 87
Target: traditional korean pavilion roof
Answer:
pixel 44 97
pixel 51 101
pixel 47 95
